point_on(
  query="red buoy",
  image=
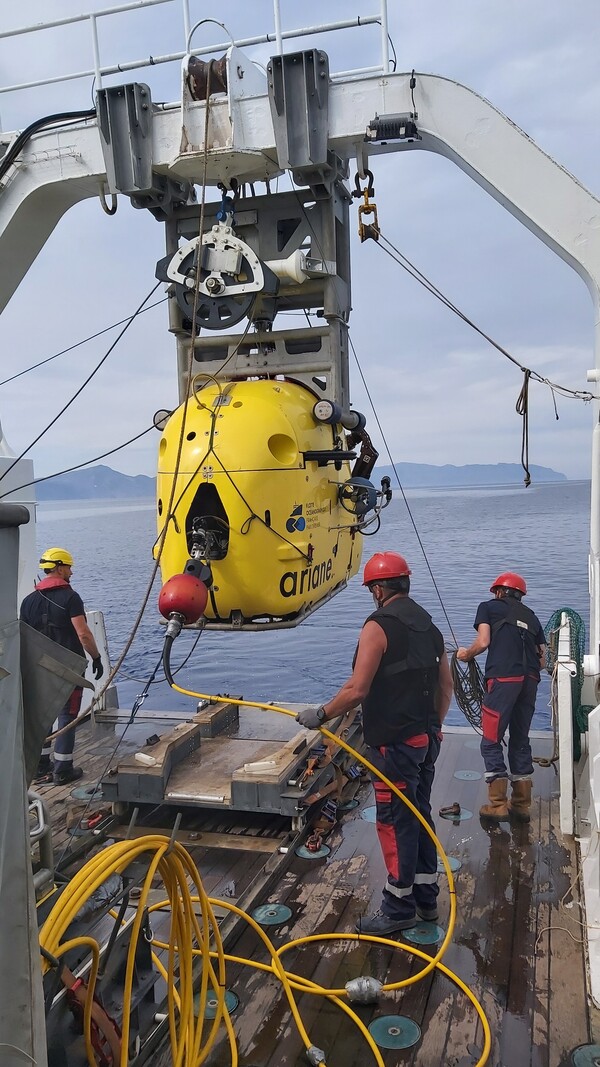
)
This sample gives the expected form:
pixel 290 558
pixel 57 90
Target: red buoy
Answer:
pixel 184 595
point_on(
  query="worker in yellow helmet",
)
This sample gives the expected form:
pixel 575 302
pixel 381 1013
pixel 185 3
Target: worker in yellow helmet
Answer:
pixel 55 609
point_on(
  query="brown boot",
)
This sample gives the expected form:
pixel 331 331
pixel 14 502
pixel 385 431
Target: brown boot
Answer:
pixel 498 807
pixel 520 802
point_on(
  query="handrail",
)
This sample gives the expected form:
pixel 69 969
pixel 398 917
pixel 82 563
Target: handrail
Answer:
pixel 81 18
pixel 278 36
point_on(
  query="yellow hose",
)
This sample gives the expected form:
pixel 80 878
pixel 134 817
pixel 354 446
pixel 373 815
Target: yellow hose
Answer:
pixel 432 961
pixel 175 867
pixel 177 870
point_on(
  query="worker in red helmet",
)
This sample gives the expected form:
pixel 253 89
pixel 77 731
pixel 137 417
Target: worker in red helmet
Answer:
pixel 401 676
pixel 55 609
pixel 515 643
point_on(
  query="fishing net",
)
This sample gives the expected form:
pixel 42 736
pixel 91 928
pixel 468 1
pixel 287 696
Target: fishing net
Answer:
pixel 576 652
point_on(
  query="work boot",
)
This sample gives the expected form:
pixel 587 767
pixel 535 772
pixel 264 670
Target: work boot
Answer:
pixel 428 915
pixel 381 925
pixel 520 802
pixel 43 774
pixel 66 774
pixel 497 808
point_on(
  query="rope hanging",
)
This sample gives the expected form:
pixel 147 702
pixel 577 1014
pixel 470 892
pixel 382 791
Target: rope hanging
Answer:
pixel 522 409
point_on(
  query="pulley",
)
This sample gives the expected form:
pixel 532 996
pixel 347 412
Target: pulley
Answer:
pixel 226 272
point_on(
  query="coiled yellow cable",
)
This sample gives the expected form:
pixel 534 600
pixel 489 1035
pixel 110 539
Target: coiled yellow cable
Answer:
pixel 178 871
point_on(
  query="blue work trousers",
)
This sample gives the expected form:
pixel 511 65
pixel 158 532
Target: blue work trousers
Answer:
pixel 508 704
pixel 63 745
pixel 409 853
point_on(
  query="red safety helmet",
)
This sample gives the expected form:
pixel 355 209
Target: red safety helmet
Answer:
pixel 384 565
pixel 510 580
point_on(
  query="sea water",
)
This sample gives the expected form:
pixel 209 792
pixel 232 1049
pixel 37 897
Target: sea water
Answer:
pixel 456 541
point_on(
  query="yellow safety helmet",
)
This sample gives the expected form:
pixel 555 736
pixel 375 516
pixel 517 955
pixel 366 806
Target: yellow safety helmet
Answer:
pixel 53 556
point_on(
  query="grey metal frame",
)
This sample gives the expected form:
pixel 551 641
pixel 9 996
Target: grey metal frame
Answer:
pixel 316 355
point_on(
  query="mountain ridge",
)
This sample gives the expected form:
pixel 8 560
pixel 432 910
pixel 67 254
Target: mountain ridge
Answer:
pixel 104 483
pixel 450 476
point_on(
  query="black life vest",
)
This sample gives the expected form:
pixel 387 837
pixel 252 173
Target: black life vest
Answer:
pixel 401 701
pixel 525 621
pixel 422 654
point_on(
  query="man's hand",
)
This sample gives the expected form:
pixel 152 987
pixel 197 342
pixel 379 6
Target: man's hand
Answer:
pixel 311 718
pixel 461 654
pixel 97 668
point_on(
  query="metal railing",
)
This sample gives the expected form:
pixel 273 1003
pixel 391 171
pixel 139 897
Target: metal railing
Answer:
pixel 98 71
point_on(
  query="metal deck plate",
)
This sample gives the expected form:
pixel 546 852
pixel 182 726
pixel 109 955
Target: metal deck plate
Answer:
pixel 87 792
pixel 453 863
pixel 467 776
pixel 424 933
pixel 394 1031
pixel 306 854
pixel 271 914
pixel 586 1056
pixel 231 1003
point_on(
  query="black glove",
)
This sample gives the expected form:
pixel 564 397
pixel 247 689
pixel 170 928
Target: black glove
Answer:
pixel 311 718
pixel 97 668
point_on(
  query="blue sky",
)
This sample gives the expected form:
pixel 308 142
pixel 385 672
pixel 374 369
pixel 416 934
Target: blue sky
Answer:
pixel 441 393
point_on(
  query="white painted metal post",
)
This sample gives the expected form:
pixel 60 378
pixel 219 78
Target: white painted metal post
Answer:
pixel 385 38
pixel 277 18
pixel 186 19
pixel 592 662
pixel 109 698
pixel 566 670
pixel 96 47
pixel 590 856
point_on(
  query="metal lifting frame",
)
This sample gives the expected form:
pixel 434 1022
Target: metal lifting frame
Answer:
pixel 275 226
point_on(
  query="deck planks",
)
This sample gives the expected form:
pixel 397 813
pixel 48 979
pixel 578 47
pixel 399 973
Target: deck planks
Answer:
pixel 515 943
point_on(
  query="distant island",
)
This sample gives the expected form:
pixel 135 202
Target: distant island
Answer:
pixel 428 476
pixel 100 482
pixel 104 483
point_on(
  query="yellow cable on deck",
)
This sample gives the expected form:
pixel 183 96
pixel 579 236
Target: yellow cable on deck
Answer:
pixel 177 869
pixel 433 961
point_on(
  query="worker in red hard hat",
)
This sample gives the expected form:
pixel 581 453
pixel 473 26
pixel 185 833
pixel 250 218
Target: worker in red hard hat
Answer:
pixel 401 676
pixel 516 646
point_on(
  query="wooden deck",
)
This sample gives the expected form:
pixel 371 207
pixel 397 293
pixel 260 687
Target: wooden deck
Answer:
pixel 517 940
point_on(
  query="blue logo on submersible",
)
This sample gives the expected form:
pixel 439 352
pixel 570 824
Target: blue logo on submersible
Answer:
pixel 296 521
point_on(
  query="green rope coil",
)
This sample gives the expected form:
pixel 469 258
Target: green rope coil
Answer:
pixel 576 652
